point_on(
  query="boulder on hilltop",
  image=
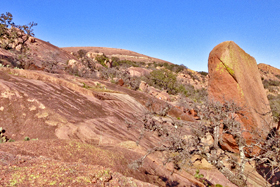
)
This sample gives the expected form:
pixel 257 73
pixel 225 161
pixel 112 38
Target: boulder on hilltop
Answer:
pixel 234 76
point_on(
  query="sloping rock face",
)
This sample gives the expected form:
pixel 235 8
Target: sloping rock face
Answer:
pixel 38 166
pixel 33 102
pixel 234 76
pixel 60 108
pixel 6 57
pixel 40 56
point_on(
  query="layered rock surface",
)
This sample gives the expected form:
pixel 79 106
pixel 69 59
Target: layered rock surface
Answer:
pixel 234 76
pixel 82 134
pixel 83 139
pixel 91 121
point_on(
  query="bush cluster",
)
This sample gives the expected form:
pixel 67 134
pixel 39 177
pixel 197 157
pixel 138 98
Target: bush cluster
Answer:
pixel 126 63
pixel 203 73
pixel 163 79
pixel 274 102
pixel 197 95
pixel 269 83
pixel 179 146
pixel 102 59
pixel 81 53
pixel 166 80
pixel 172 67
pixel 129 81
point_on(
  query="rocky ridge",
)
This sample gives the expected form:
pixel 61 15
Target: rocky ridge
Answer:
pixel 113 52
pixel 78 118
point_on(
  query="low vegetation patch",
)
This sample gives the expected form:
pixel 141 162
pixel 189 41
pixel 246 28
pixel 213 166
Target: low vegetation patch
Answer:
pixel 163 79
pixel 102 59
pixel 172 67
pixel 268 83
pixel 274 101
pixel 126 63
pixel 179 147
pixel 3 137
pixel 167 80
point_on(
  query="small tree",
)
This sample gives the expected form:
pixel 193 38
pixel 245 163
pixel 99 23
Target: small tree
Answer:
pixel 12 35
pixel 82 53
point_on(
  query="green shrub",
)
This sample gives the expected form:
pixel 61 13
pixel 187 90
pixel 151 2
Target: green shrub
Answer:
pixel 219 185
pixel 167 80
pixel 267 83
pixel 182 89
pixel 163 79
pixel 203 73
pixel 102 59
pixel 115 61
pixel 126 63
pixel 198 175
pixel 274 102
pixel 196 95
pixel 193 75
pixel 172 67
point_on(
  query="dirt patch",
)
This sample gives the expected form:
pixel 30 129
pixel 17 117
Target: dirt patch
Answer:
pixel 76 163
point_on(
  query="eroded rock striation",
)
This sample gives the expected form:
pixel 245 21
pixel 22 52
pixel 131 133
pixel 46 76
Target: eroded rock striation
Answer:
pixel 234 76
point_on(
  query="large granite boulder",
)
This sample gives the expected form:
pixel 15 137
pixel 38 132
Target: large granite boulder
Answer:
pixel 234 76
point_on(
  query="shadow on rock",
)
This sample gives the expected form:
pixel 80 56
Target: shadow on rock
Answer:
pixel 269 175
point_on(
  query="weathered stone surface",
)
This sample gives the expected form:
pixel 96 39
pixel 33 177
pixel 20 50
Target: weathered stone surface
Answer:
pixel 193 78
pixel 80 126
pixel 234 76
pixel 6 57
pixel 138 72
pixel 52 108
pixel 32 40
pixel 144 86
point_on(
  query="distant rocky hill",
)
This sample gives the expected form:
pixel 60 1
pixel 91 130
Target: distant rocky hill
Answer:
pixel 122 54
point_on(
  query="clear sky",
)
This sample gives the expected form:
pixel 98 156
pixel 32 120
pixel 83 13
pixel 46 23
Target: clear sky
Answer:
pixel 179 31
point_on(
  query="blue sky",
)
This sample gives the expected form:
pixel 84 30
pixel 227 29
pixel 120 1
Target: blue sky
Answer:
pixel 179 31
